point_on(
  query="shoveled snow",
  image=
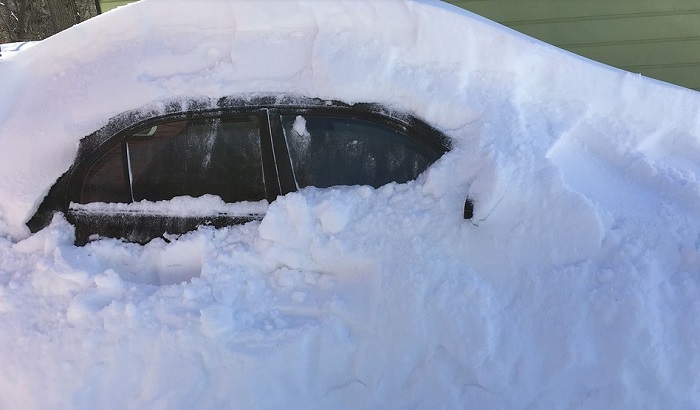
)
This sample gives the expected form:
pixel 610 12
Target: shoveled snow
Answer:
pixel 575 285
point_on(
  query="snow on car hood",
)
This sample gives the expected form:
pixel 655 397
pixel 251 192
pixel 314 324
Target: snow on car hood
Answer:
pixel 575 284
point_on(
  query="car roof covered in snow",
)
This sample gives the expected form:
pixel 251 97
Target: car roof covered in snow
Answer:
pixel 424 57
pixel 574 285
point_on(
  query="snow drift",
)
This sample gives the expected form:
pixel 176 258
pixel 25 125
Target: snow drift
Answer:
pixel 574 285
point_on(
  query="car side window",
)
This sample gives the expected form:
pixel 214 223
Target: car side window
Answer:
pixel 219 156
pixel 328 150
pixel 105 179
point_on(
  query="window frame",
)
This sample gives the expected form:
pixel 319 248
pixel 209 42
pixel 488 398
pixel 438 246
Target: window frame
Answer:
pixel 269 173
pixel 409 127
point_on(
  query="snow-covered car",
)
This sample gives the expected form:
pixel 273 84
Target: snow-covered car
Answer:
pixel 167 165
pixel 575 284
pixel 145 175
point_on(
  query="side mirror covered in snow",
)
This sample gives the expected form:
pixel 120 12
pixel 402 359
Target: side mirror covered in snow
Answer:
pixel 468 209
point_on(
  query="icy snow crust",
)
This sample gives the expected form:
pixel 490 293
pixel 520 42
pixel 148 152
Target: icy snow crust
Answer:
pixel 574 286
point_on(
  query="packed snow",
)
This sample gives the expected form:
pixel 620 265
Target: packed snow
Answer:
pixel 182 206
pixel 575 285
pixel 10 48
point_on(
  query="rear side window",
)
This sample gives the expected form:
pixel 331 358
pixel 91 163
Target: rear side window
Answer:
pixel 331 150
pixel 219 156
pixel 105 179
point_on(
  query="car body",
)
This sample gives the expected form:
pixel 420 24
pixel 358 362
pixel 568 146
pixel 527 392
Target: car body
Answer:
pixel 573 285
pixel 128 175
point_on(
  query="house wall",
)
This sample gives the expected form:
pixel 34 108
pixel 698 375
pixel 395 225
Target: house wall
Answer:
pixel 107 5
pixel 657 38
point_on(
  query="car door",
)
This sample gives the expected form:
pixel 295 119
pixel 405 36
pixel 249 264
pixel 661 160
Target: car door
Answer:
pixel 174 174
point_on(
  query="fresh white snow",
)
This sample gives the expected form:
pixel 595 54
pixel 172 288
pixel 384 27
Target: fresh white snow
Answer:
pixel 575 285
pixel 10 48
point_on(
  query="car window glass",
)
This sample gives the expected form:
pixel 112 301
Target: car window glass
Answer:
pixel 219 156
pixel 105 179
pixel 331 150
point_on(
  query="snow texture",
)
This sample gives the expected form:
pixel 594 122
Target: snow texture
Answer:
pixel 182 206
pixel 575 285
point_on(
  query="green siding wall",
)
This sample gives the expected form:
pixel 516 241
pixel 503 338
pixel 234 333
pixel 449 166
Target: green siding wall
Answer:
pixel 657 38
pixel 107 5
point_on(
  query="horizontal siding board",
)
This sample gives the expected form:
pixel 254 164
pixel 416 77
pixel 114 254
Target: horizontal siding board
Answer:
pixel 686 76
pixel 643 54
pixel 107 5
pixel 618 30
pixel 515 11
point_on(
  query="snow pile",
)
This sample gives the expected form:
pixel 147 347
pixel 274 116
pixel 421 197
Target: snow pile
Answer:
pixel 10 48
pixel 574 285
